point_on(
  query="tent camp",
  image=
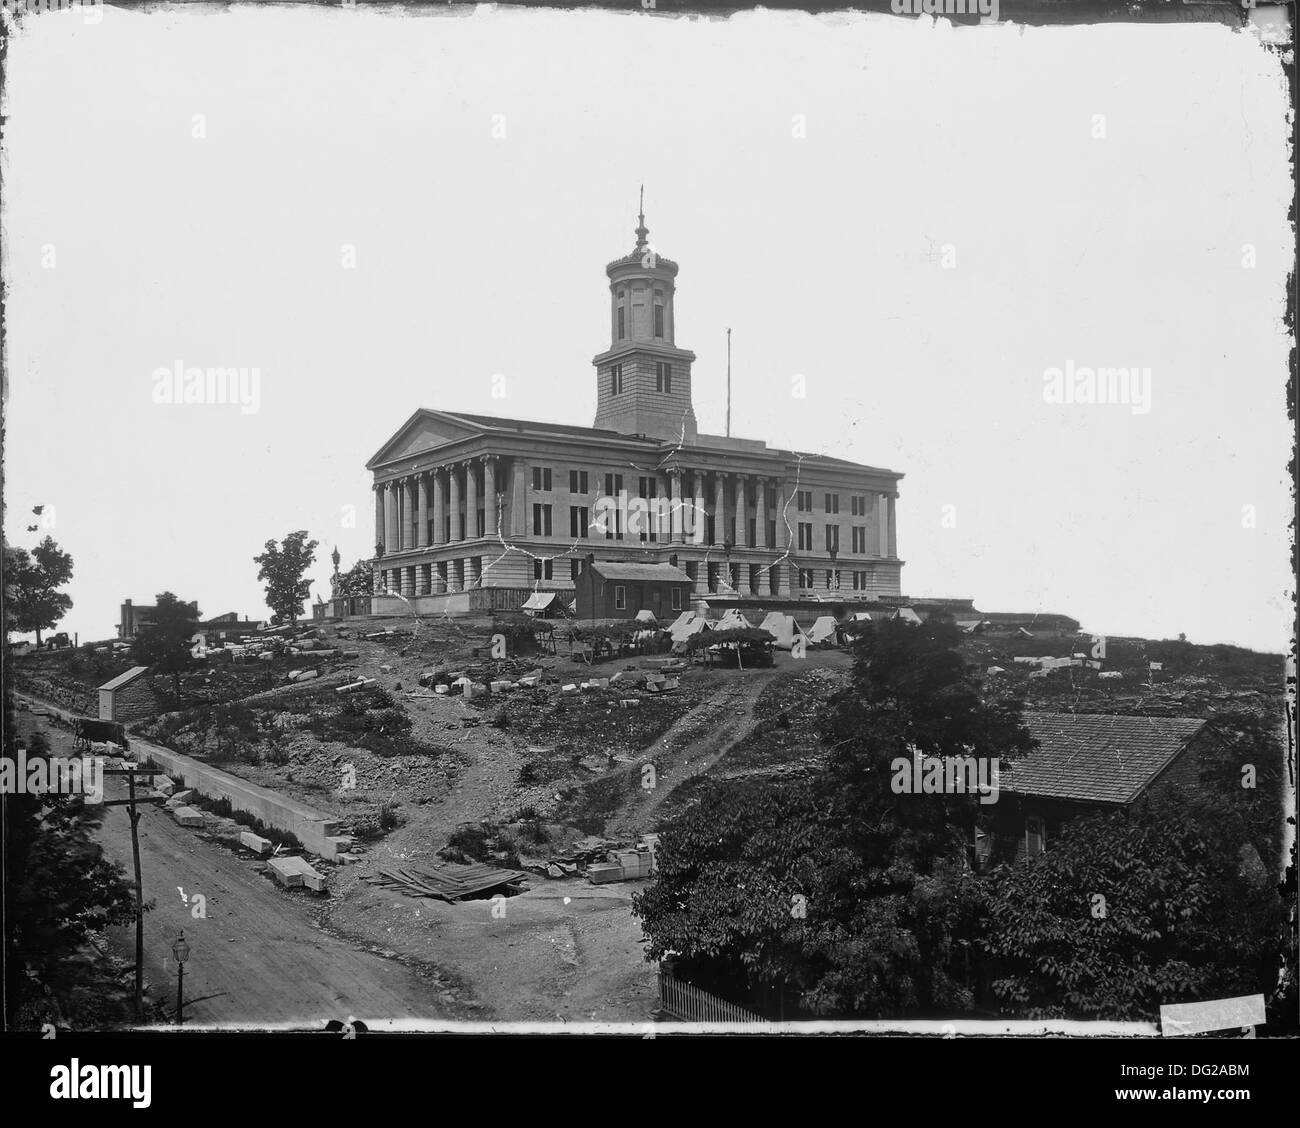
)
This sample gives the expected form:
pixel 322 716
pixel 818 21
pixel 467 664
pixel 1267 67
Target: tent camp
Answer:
pixel 732 620
pixel 907 615
pixel 687 624
pixel 783 628
pixel 544 604
pixel 822 632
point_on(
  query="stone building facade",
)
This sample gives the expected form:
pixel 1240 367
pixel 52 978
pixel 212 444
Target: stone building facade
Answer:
pixel 468 503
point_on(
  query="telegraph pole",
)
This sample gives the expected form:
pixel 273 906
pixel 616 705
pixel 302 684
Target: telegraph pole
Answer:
pixel 134 815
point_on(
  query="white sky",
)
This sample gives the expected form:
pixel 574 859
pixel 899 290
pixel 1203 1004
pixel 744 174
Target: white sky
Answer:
pixel 479 255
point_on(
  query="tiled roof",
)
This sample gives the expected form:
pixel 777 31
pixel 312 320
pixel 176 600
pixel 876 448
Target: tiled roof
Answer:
pixel 1097 757
pixel 613 571
pixel 126 678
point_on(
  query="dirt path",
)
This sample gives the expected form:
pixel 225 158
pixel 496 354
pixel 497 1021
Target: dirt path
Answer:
pixel 693 745
pixel 258 955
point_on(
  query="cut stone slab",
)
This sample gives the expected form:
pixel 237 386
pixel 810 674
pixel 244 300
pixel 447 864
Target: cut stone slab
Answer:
pixel 163 786
pixel 570 688
pixel 182 797
pixel 293 872
pixel 529 680
pixel 441 690
pixel 188 816
pixel 254 842
pixel 336 845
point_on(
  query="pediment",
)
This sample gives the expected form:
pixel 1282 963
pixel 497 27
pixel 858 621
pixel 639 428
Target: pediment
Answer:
pixel 424 431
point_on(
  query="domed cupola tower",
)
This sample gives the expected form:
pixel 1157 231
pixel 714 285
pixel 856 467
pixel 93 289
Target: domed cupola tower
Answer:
pixel 643 380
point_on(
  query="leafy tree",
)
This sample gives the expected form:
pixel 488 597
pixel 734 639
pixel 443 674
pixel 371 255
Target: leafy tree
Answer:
pixel 356 581
pixel 1130 910
pixel 58 890
pixel 283 567
pixel 32 582
pixel 165 642
pixel 888 912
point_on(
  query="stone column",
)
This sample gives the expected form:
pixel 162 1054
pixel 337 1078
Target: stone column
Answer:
pixel 782 531
pixel 490 494
pixel 471 501
pixel 892 536
pixel 742 513
pixel 379 514
pixel 882 532
pixel 422 511
pixel 518 497
pixel 454 474
pixel 719 507
pixel 760 513
pixel 439 507
pixel 390 518
pixel 675 505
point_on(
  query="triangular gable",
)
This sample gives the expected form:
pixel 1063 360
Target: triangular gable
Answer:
pixel 423 431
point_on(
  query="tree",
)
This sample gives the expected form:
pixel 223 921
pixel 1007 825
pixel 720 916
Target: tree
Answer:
pixel 283 567
pixel 836 889
pixel 1130 910
pixel 165 641
pixel 357 580
pixel 59 889
pixel 32 582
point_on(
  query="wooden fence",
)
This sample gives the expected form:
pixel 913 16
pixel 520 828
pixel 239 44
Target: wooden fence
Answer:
pixel 688 1003
pixel 511 599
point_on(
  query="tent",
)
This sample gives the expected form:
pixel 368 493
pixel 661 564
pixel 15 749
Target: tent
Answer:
pixel 907 615
pixel 860 617
pixel 783 628
pixel 543 603
pixel 645 615
pixel 688 624
pixel 822 631
pixel 732 620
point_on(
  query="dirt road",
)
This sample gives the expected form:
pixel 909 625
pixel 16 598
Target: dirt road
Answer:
pixel 258 957
pixel 693 745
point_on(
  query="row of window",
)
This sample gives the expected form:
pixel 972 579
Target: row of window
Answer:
pixel 663 377
pixel 658 314
pixel 805 537
pixel 831 503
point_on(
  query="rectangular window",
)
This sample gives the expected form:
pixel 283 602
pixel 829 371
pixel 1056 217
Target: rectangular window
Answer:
pixel 542 569
pixel 659 320
pixel 620 598
pixel 832 503
pixel 622 327
pixel 805 536
pixel 663 376
pixel 859 534
pixel 573 481
pixel 804 498
pixel 771 534
pixel 541 520
pixel 615 379
pixel 832 538
pixel 575 567
pixel 541 478
pixel 677 599
pixel 1035 836
pixel 858 503
pixel 579 521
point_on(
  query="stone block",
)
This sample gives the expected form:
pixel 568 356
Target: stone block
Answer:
pixel 188 816
pixel 336 845
pixel 255 842
pixel 441 690
pixel 163 786
pixel 570 688
pixel 293 871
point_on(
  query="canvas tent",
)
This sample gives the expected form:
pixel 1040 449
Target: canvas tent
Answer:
pixel 783 628
pixel 822 631
pixel 543 603
pixel 732 620
pixel 687 624
pixel 907 615
pixel 645 615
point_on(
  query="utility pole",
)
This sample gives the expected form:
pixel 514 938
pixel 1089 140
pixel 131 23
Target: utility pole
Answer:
pixel 728 383
pixel 134 814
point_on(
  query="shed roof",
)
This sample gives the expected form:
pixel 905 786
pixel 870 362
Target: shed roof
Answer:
pixel 126 678
pixel 618 571
pixel 1097 757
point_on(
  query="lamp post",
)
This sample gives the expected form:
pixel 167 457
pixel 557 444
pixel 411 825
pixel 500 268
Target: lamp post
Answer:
pixel 181 951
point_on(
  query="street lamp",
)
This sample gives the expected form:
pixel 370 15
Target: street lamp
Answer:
pixel 181 951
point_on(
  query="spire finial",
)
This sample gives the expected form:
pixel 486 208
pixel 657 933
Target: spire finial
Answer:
pixel 642 231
